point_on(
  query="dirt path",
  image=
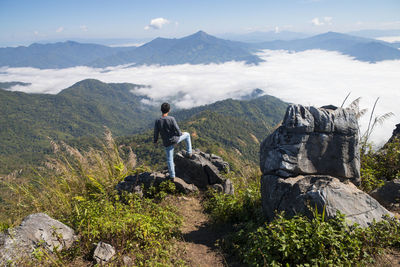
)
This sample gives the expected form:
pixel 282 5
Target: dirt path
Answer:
pixel 198 237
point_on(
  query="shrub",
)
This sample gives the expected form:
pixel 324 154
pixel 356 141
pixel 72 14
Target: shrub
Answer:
pixel 379 166
pixel 302 241
pixel 244 205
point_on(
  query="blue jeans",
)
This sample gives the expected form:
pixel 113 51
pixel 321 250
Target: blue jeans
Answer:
pixel 169 150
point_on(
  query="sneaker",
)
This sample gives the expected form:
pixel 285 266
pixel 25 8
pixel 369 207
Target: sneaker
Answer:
pixel 188 155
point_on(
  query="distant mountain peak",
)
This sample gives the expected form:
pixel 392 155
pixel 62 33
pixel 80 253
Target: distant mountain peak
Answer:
pixel 201 35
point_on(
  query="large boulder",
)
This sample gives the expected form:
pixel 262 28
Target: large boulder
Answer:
pixel 388 195
pixel 313 141
pixel 36 230
pixel 312 160
pixel 201 169
pixel 302 194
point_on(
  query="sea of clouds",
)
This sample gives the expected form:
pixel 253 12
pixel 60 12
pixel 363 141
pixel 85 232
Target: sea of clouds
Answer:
pixel 312 77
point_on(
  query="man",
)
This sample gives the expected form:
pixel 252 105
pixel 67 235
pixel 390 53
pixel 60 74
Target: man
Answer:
pixel 171 135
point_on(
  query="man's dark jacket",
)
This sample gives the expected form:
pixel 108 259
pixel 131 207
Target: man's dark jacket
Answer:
pixel 169 130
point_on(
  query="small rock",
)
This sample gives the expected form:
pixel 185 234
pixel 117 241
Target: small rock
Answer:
pixel 127 261
pixel 389 194
pixel 103 252
pixel 228 187
pixel 183 187
pixel 218 187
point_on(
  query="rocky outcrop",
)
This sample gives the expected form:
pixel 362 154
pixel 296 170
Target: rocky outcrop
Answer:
pixel 36 230
pixel 199 171
pixel 313 141
pixel 388 195
pixel 312 160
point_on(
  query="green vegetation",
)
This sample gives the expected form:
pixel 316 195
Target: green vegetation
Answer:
pixel 78 189
pixel 77 115
pixel 293 241
pixel 380 166
pixel 81 110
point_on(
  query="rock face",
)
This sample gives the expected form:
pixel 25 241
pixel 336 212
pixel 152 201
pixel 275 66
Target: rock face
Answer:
pixel 388 195
pixel 35 230
pixel 311 160
pixel 313 141
pixel 199 171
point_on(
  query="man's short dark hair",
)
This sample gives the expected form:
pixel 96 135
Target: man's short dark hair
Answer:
pixel 165 108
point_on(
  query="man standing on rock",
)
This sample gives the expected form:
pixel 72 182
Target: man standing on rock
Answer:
pixel 171 135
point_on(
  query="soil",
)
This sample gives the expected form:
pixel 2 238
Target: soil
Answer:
pixel 199 238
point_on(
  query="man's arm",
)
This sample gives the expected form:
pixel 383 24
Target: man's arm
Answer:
pixel 178 131
pixel 156 132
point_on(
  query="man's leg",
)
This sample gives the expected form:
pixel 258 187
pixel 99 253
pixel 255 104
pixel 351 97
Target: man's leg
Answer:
pixel 186 136
pixel 169 150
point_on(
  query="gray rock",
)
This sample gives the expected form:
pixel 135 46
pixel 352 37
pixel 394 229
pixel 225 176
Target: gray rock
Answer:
pixel 228 187
pixel 389 194
pixel 135 183
pixel 313 141
pixel 183 187
pixel 35 230
pixel 302 193
pixel 127 261
pixel 201 169
pixel 218 187
pixel 103 253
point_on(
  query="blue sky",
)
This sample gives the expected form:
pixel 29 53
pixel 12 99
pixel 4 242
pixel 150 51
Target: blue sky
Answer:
pixel 27 21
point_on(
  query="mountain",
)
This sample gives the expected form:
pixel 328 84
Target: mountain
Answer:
pixel 259 36
pixel 375 33
pixel 198 48
pixel 77 115
pixel 56 55
pixel 360 48
pixel 80 110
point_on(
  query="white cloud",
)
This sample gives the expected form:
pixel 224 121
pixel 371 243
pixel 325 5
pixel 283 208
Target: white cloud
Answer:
pixel 389 39
pixel 157 24
pixel 316 22
pixel 323 21
pixel 36 33
pixel 84 28
pixel 60 29
pixel 311 77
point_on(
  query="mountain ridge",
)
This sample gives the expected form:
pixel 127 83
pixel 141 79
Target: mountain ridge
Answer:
pixel 81 110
